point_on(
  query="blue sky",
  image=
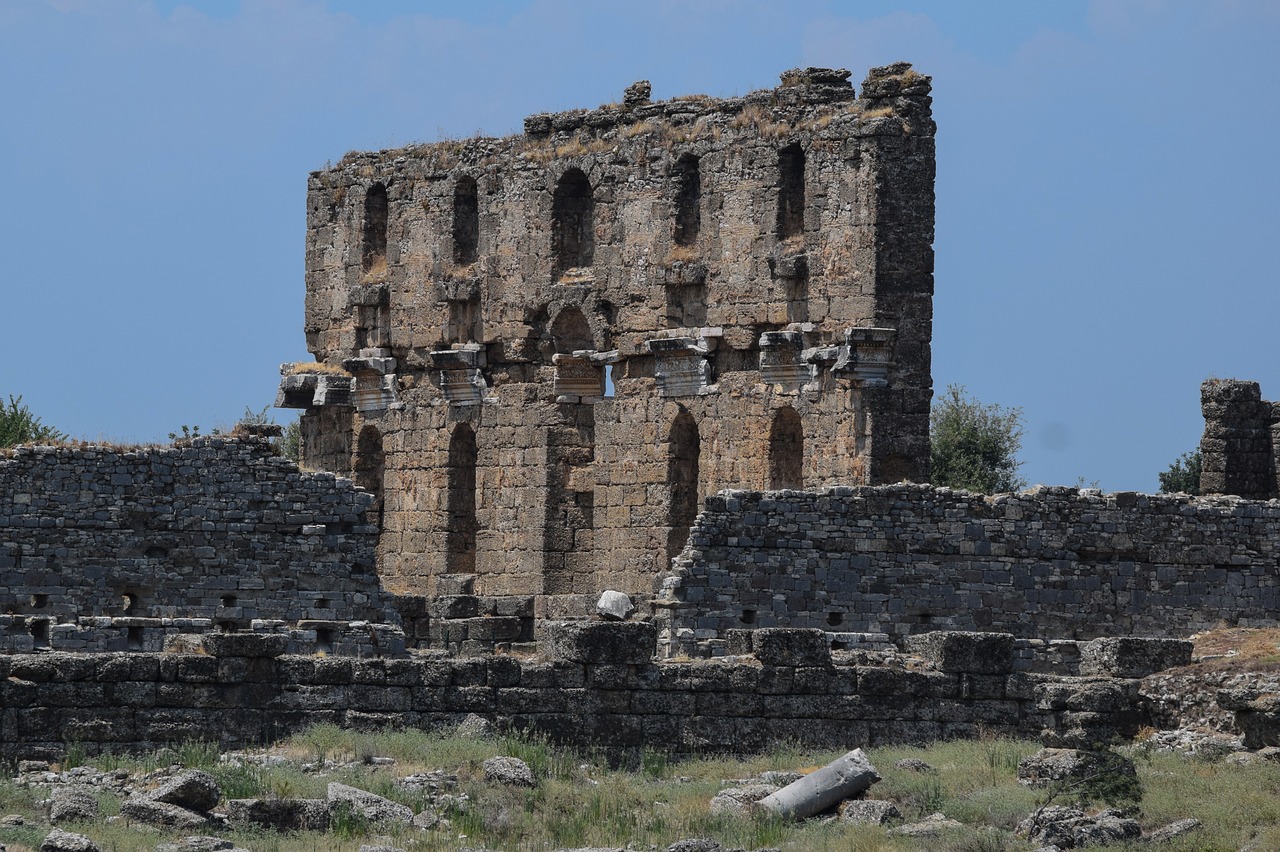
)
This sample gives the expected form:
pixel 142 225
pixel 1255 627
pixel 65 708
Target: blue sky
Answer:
pixel 1108 185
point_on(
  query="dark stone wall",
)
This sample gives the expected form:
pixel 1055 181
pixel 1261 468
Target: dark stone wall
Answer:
pixel 1052 562
pixel 215 532
pixel 594 686
pixel 1237 452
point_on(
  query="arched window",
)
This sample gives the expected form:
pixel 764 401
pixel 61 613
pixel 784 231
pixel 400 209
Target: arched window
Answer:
pixel 572 222
pixel 374 248
pixel 682 474
pixel 571 331
pixel 790 192
pixel 367 466
pixel 688 201
pixel 462 525
pixel 466 221
pixel 786 450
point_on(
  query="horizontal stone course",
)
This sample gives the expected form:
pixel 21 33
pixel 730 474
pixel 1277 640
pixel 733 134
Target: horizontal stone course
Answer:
pixel 725 705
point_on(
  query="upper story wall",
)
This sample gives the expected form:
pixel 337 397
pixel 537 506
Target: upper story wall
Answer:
pixel 1052 562
pixel 216 528
pixel 797 205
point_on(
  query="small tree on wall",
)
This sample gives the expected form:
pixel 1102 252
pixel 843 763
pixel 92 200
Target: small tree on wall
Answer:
pixel 1183 475
pixel 975 446
pixel 19 426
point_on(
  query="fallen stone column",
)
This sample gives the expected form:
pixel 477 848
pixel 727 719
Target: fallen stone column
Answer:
pixel 842 778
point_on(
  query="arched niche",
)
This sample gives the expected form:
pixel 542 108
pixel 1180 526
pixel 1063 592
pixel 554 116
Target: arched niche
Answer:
pixel 684 453
pixel 466 221
pixel 373 251
pixel 462 525
pixel 786 450
pixel 572 222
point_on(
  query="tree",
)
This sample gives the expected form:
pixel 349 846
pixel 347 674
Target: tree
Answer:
pixel 975 446
pixel 1183 475
pixel 19 426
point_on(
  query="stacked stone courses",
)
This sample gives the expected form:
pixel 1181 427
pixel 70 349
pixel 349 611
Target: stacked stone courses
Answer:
pixel 594 685
pixel 754 274
pixel 1053 562
pixel 106 549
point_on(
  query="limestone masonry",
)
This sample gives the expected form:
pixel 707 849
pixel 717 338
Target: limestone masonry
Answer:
pixel 542 352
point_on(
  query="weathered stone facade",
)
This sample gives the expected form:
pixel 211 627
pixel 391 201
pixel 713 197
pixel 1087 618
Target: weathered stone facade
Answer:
pixel 754 274
pixel 109 549
pixel 1052 562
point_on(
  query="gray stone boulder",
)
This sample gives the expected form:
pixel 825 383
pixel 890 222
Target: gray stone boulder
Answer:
pixel 615 606
pixel 72 803
pixel 1054 765
pixel 371 806
pixel 914 764
pixel 1132 657
pixel 199 843
pixel 933 825
pixel 869 812
pixel 146 810
pixel 1173 829
pixel 193 789
pixel 511 771
pixel 280 814
pixel 695 844
pixel 1070 828
pixel 1257 713
pixel 473 727
pixel 65 841
pixel 739 801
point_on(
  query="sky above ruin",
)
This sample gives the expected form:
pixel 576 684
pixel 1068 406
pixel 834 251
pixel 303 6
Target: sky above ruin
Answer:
pixel 1108 185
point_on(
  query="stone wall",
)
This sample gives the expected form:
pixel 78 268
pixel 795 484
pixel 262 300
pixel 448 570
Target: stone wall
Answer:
pixel 1238 450
pixel 1052 562
pixel 595 684
pixel 106 548
pixel 754 274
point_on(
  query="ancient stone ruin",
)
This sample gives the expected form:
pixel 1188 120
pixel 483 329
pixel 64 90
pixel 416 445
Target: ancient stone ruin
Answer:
pixel 674 349
pixel 541 353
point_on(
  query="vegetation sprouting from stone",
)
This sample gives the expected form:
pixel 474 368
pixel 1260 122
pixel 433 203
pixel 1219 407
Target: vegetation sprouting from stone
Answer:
pixel 19 426
pixel 1183 476
pixel 975 446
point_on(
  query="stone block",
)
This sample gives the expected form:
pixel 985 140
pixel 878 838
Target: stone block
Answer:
pixel 955 651
pixel 784 646
pixel 246 644
pixel 1131 657
pixel 587 642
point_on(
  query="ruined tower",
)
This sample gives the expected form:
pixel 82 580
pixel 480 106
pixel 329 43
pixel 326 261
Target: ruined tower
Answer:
pixel 542 352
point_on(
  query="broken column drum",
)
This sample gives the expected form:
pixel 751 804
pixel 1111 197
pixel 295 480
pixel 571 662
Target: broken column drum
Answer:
pixel 630 308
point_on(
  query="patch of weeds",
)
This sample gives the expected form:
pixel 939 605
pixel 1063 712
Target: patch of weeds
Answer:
pixel 238 781
pixel 76 756
pixel 347 823
pixel 653 762
pixel 198 754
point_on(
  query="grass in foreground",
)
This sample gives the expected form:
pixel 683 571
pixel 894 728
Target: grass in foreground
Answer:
pixel 582 800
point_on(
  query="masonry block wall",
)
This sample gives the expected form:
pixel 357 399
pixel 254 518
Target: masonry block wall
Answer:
pixel 754 276
pixel 594 686
pixel 1052 562
pixel 1238 450
pixel 216 530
